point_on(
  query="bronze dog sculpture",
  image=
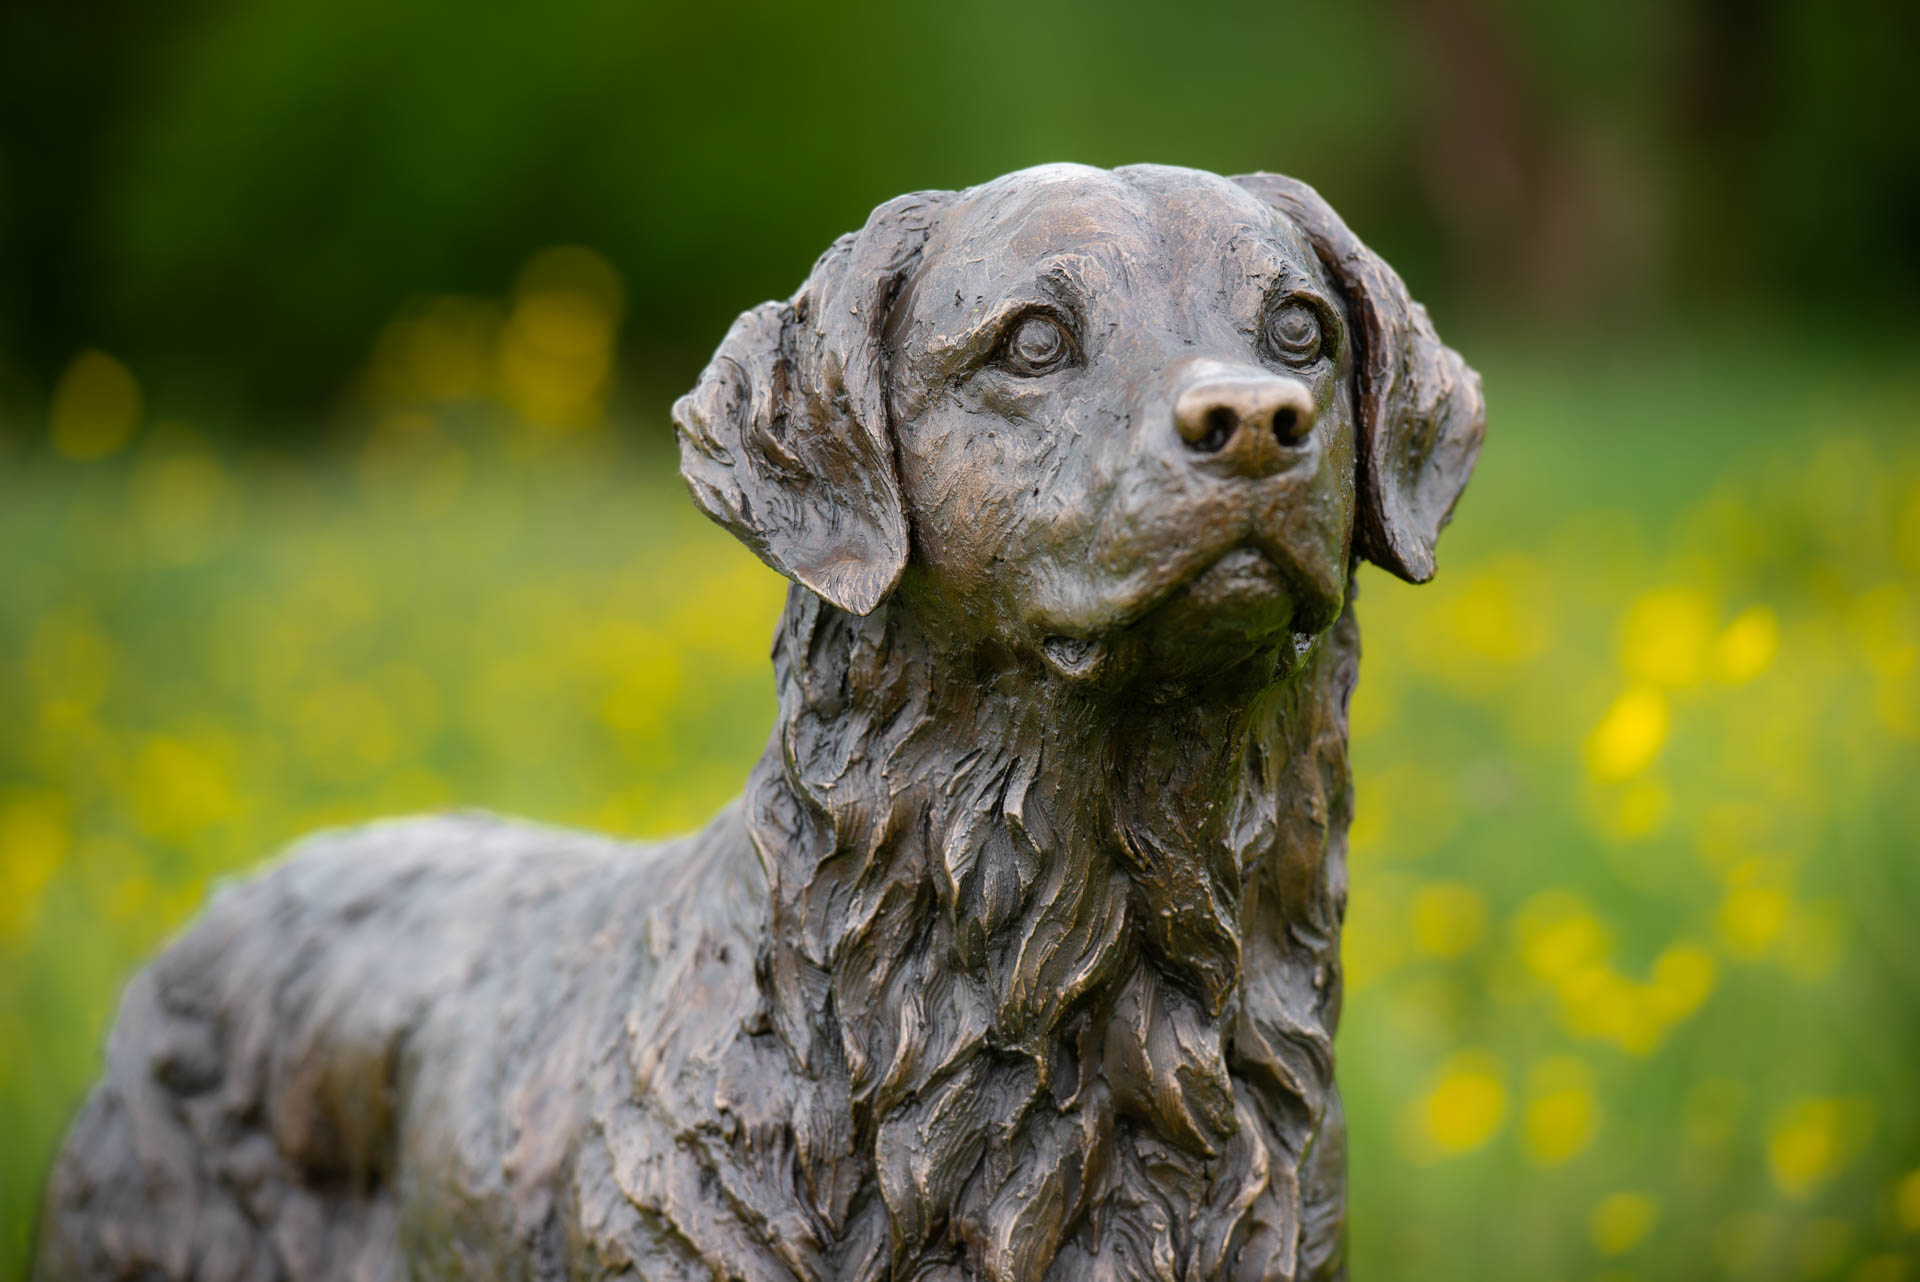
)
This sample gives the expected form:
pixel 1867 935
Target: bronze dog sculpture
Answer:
pixel 1019 959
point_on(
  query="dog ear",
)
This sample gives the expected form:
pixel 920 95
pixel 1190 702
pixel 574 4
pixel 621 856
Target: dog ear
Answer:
pixel 786 439
pixel 1421 413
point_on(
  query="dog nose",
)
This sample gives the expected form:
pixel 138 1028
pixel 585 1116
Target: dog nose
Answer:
pixel 1253 423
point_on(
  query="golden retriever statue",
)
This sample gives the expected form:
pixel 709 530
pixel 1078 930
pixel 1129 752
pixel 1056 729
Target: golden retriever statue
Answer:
pixel 1019 959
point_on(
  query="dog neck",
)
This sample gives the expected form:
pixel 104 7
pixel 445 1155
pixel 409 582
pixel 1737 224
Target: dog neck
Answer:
pixel 1058 971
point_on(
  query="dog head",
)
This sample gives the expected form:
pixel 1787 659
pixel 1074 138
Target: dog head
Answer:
pixel 1139 420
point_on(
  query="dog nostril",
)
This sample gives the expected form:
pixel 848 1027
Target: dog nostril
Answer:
pixel 1220 422
pixel 1286 425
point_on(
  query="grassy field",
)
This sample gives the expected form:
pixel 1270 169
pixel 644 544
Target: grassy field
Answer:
pixel 1634 965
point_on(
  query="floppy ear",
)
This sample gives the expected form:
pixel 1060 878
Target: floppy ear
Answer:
pixel 786 439
pixel 1421 413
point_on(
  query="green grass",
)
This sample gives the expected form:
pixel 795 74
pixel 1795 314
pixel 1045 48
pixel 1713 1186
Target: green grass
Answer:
pixel 1634 988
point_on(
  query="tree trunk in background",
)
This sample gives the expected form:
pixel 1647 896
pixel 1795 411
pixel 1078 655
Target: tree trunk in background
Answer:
pixel 1567 214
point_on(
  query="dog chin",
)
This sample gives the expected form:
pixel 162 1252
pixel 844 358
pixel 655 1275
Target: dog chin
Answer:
pixel 1241 604
pixel 1238 608
pixel 1243 582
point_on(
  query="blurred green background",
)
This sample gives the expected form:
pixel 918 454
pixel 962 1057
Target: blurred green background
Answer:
pixel 336 341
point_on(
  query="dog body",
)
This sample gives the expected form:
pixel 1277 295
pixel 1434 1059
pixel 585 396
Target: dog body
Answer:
pixel 1019 958
pixel 402 1052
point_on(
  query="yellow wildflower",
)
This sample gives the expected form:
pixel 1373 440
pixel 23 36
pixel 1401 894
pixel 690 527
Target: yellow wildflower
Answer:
pixel 1622 1221
pixel 1811 1141
pixel 1466 1105
pixel 1747 647
pixel 1562 1113
pixel 96 406
pixel 1629 736
pixel 1448 919
pixel 1665 637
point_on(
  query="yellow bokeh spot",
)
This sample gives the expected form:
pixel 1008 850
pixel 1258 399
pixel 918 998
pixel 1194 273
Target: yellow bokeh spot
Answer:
pixel 1492 615
pixel 556 352
pixel 96 406
pixel 1622 1221
pixel 563 324
pixel 1811 1141
pixel 1907 532
pixel 33 842
pixel 1562 1111
pixel 1374 941
pixel 178 789
pixel 1906 1201
pixel 1665 637
pixel 1751 918
pixel 1886 624
pixel 1896 704
pixel 1683 978
pixel 1448 919
pixel 1746 649
pixel 1467 1104
pixel 1642 810
pixel 1368 831
pixel 1629 736
pixel 1558 934
pixel 1372 709
pixel 439 351
pixel 1566 945
pixel 576 271
pixel 1601 1003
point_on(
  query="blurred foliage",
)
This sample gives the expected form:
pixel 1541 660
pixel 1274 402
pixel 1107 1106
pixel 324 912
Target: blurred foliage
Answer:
pixel 1633 992
pixel 231 196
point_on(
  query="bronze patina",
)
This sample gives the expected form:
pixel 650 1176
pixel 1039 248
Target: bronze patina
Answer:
pixel 1019 958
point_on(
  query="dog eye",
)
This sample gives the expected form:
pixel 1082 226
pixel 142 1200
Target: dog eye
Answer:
pixel 1294 331
pixel 1036 345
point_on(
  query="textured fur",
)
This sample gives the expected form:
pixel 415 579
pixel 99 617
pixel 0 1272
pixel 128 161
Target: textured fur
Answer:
pixel 1044 1043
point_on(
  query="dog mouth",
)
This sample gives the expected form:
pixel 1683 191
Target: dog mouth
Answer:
pixel 1242 593
pixel 1243 573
